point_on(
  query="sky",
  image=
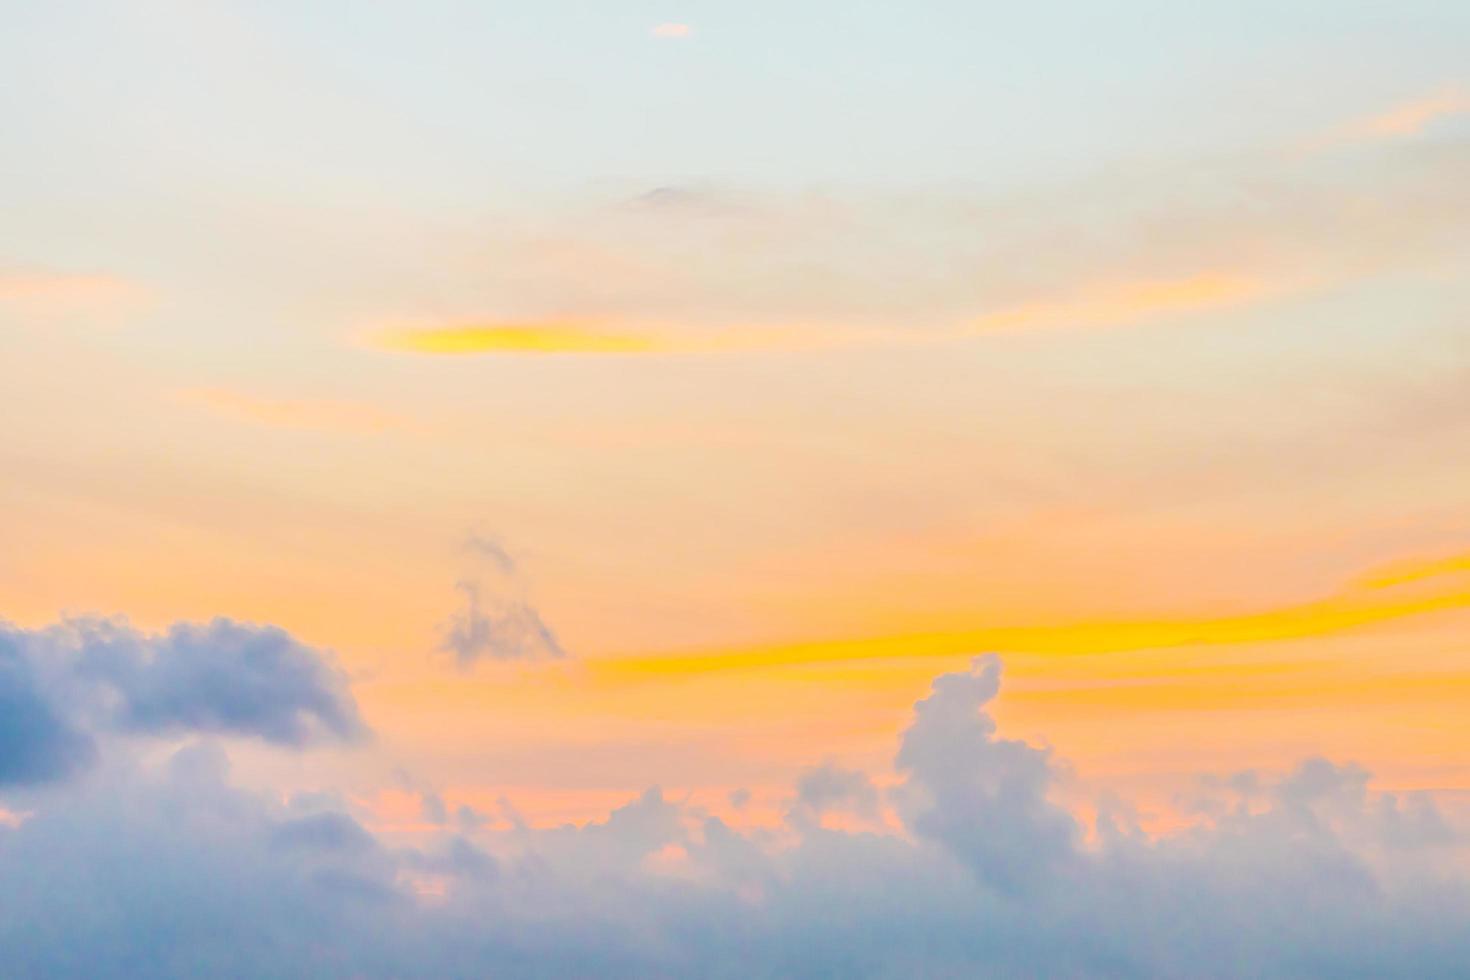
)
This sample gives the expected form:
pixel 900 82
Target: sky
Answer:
pixel 698 489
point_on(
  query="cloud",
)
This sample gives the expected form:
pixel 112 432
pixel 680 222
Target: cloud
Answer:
pixel 433 809
pixel 220 678
pixel 1406 119
pixel 617 338
pixel 830 788
pixel 1111 304
pixel 491 548
pixel 675 269
pixel 672 30
pixel 292 413
pixel 496 622
pixel 519 338
pixel 1365 602
pixel 41 292
pixel 497 629
pixel 169 869
pixel 1415 570
pixel 36 745
pixel 983 798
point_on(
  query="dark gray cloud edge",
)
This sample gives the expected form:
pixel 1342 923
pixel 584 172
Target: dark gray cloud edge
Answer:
pixel 171 872
pixel 64 686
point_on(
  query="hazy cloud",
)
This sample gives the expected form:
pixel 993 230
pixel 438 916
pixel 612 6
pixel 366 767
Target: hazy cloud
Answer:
pixel 1306 874
pixel 831 788
pixel 497 629
pixel 490 548
pixel 354 418
pixel 495 620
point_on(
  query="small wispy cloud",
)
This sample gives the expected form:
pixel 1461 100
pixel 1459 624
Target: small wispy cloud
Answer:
pixel 292 413
pixel 1413 117
pixel 518 338
pixel 496 620
pixel 597 338
pixel 491 548
pixel 46 292
pixel 672 30
pixel 1416 570
pixel 497 628
pixel 1397 122
pixel 1117 303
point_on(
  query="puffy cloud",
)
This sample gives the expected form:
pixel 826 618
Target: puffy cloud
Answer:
pixel 433 809
pixel 170 871
pixel 984 798
pixel 221 678
pixel 36 745
pixel 830 788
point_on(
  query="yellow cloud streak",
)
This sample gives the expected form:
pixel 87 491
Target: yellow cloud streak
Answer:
pixel 1337 614
pixel 1104 305
pixel 521 338
pixel 1415 570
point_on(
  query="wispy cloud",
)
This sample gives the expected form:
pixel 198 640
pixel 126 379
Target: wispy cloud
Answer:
pixel 689 269
pixel 595 338
pixel 293 413
pixel 1412 571
pixel 496 620
pixel 1397 122
pixel 672 30
pixel 1411 117
pixel 46 292
pixel 1090 305
pixel 1111 304
pixel 1359 605
pixel 520 338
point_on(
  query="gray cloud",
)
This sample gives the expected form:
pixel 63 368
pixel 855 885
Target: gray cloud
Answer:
pixel 169 871
pixel 66 684
pixel 830 788
pixel 490 548
pixel 496 621
pixel 982 797
pixel 36 745
pixel 497 628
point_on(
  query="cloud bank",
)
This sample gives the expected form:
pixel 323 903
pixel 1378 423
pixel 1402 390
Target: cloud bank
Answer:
pixel 172 871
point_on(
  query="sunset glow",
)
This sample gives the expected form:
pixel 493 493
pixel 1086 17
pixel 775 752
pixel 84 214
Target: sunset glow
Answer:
pixel 880 490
